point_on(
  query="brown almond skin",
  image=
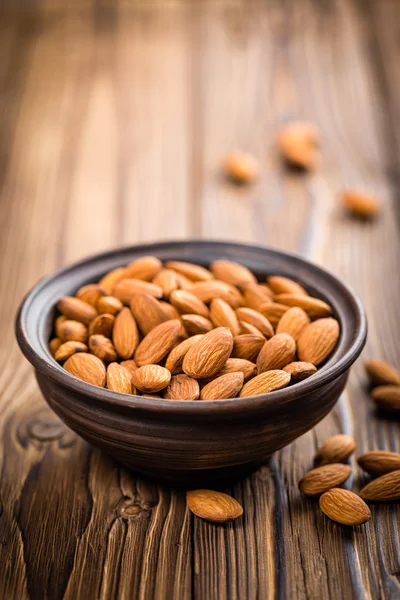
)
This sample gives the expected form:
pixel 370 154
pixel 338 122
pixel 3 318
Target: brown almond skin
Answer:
pixel 335 450
pixel 167 280
pixel 144 268
pixel 344 507
pixel 76 309
pixel 383 489
pixel 225 386
pixel 187 303
pixel 319 480
pixel 234 365
pixel 276 353
pixel 293 322
pixel 208 355
pixel 67 349
pixel 223 315
pixel 102 347
pixel 317 340
pixel 360 204
pixel 247 346
pixel 241 167
pixel 87 367
pixel 248 315
pixel 175 357
pixel 103 324
pixel 54 345
pixel 284 285
pixel 379 462
pixel 387 397
pixel 109 305
pixel 72 331
pixel 273 311
pixel 125 334
pixel 110 279
pixel 151 378
pixel 382 373
pixel 148 312
pixel 90 293
pixel 169 310
pixel 158 343
pixel 196 324
pixel 119 378
pixel 232 272
pixel 248 328
pixel 299 370
pixel 297 143
pixel 130 366
pixel 189 270
pixel 314 307
pixel 213 506
pixel 182 387
pixel 265 383
pixel 208 290
pixel 256 295
pixel 125 289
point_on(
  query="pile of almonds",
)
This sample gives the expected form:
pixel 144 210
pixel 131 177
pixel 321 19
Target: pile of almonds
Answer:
pixel 181 331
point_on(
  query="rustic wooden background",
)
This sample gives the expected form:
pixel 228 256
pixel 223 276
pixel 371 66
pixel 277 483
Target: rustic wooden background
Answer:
pixel 115 117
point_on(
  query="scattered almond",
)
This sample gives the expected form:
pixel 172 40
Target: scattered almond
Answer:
pixel 102 347
pixel 67 349
pixel 335 450
pixel 383 489
pixel 297 142
pixel 151 378
pixel 145 268
pixel 76 309
pixel 119 378
pixel 276 352
pixel 189 270
pixel 182 387
pixel 125 289
pixel 213 506
pixel 387 397
pixel 284 285
pixel 232 272
pixel 379 462
pixel 382 373
pixel 265 383
pixel 208 355
pixel 344 507
pixel 158 343
pixel 195 324
pixel 72 331
pixel 223 315
pixel 87 367
pixel 148 312
pixel 90 293
pixel 109 305
pixel 293 322
pixel 125 334
pixel 247 346
pixel 360 204
pixel 248 315
pixel 241 167
pixel 314 307
pixel 102 324
pixel 319 480
pixel 317 340
pixel 299 370
pixel 175 357
pixel 225 386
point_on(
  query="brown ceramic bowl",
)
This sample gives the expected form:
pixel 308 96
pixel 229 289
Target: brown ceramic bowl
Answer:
pixel 191 441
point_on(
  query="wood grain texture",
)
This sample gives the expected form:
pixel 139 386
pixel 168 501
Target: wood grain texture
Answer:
pixel 115 118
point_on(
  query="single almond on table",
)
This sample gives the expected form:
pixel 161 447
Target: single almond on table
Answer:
pixel 276 353
pixel 110 279
pixel 265 383
pixel 223 315
pixel 208 290
pixel 387 397
pixel 67 349
pixel 54 345
pixel 299 370
pixel 344 507
pixel 385 488
pixel 109 305
pixel 297 143
pixel 247 346
pixel 119 378
pixel 273 311
pixel 245 328
pixel 235 365
pixel 225 386
pixel 256 295
pixel 317 340
pixel 125 334
pixel 72 331
pixel 195 324
pixel 319 480
pixel 102 324
pixel 76 309
pixel 102 347
pixel 145 268
pixel 314 307
pixel 293 322
pixel 335 450
pixel 189 270
pixel 148 312
pixel 213 506
pixel 379 462
pixel 360 204
pixel 175 357
pixel 232 272
pixel 167 280
pixel 241 167
pixel 125 289
pixel 87 367
pixel 90 293
pixel 187 303
pixel 382 373
pixel 182 387
pixel 151 378
pixel 158 343
pixel 208 355
pixel 284 285
pixel 249 315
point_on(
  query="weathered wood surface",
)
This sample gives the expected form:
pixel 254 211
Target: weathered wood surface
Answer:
pixel 114 121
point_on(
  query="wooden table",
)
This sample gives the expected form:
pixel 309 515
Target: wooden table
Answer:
pixel 115 119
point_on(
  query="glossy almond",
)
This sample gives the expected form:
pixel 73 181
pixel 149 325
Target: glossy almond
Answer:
pixel 208 355
pixel 247 346
pixel 87 367
pixel 148 312
pixel 235 365
pixel 293 322
pixel 248 315
pixel 167 281
pixel 169 310
pixel 344 507
pixel 189 270
pixel 54 345
pixel 151 378
pixel 317 340
pixel 225 386
pixel 319 480
pixel 110 279
pixel 208 290
pixel 276 353
pixel 284 285
pixel 300 370
pixel 382 373
pixel 90 293
pixel 109 305
pixel 335 450
pixel 76 309
pixel 273 311
pixel 241 167
pixel 72 331
pixel 102 347
pixel 144 268
pixel 125 289
pixel 223 315
pixel 103 324
pixel 196 324
pixel 130 366
pixel 213 506
pixel 158 343
pixel 231 272
pixel 360 204
pixel 265 383
pixel 256 295
pixel 119 378
pixel 182 387
pixel 379 462
pixel 67 349
pixel 385 488
pixel 387 397
pixel 175 357
pixel 187 303
pixel 314 307
pixel 125 334
pixel 245 328
pixel 297 143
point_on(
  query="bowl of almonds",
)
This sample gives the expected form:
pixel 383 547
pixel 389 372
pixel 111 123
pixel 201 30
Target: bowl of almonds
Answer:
pixel 191 361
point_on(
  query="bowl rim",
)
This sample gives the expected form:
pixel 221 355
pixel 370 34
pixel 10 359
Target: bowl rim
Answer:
pixel 248 404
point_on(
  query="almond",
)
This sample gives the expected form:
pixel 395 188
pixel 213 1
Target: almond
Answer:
pixel 187 303
pixel 58 323
pixel 256 295
pixel 297 142
pixel 245 328
pixel 182 387
pixel 169 310
pixel 241 167
pixel 248 315
pixel 130 366
pixel 189 270
pixel 223 315
pixel 195 324
pixel 148 312
pixel 319 480
pixel 335 450
pixel 383 489
pixel 273 312
pixel 379 462
pixel 382 373
pixel 225 386
pixel 276 353
pixel 208 355
pixel 54 345
pixel 76 309
pixel 344 507
pixel 265 383
pixel 175 357
pixel 151 378
pixel 72 331
pixel 284 285
pixel 232 272
pixel 299 370
pixel 87 367
pixel 167 281
pixel 235 365
pixel 144 268
pixel 109 305
pixel 68 349
pixel 102 347
pixel 125 334
pixel 213 506
pixel 183 282
pixel 293 322
pixel 387 397
pixel 208 290
pixel 247 346
pixel 118 378
pixel 125 289
pixel 110 279
pixel 158 343
pixel 103 324
pixel 314 307
pixel 360 204
pixel 317 340
pixel 90 293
